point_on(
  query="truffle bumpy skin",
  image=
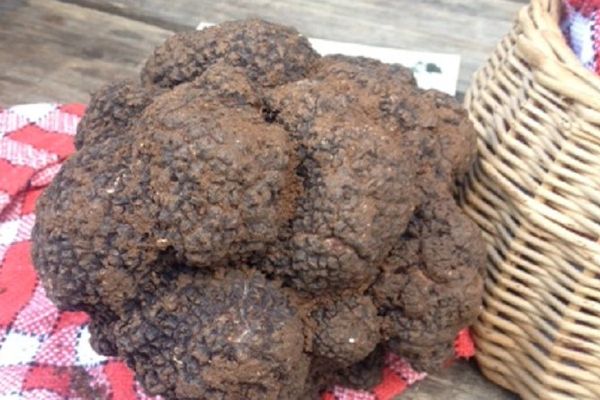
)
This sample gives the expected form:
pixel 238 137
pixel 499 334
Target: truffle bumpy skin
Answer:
pixel 254 221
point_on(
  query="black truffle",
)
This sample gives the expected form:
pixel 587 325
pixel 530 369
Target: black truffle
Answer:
pixel 255 221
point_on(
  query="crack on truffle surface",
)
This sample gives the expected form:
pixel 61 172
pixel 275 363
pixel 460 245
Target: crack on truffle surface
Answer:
pixel 251 220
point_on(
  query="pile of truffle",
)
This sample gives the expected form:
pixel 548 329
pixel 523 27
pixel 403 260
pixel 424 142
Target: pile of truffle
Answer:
pixel 254 221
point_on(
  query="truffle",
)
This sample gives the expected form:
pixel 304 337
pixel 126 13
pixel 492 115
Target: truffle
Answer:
pixel 254 221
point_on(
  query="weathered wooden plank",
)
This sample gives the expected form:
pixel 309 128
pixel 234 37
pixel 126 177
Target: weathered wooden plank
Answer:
pixel 51 51
pixel 469 28
pixel 462 381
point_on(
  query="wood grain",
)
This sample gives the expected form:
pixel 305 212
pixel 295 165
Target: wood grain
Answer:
pixel 50 51
pixel 469 28
pixel 462 381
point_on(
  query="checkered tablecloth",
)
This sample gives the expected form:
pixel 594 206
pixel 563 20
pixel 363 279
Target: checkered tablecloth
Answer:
pixel 45 354
pixel 581 27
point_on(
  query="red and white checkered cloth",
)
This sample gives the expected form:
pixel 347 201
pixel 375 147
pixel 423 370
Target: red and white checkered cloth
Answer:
pixel 45 354
pixel 581 27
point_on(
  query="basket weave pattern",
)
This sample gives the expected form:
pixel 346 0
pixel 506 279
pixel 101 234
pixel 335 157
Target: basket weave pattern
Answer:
pixel 535 192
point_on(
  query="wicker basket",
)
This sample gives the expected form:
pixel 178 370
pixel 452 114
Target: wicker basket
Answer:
pixel 535 192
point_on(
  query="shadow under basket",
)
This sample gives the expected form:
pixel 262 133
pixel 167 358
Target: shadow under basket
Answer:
pixel 535 192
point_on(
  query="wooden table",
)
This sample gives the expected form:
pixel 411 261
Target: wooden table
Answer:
pixel 60 51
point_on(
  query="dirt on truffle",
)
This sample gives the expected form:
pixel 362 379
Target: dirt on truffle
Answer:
pixel 254 221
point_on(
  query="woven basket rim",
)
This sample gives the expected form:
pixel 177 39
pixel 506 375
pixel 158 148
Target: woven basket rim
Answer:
pixel 552 55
